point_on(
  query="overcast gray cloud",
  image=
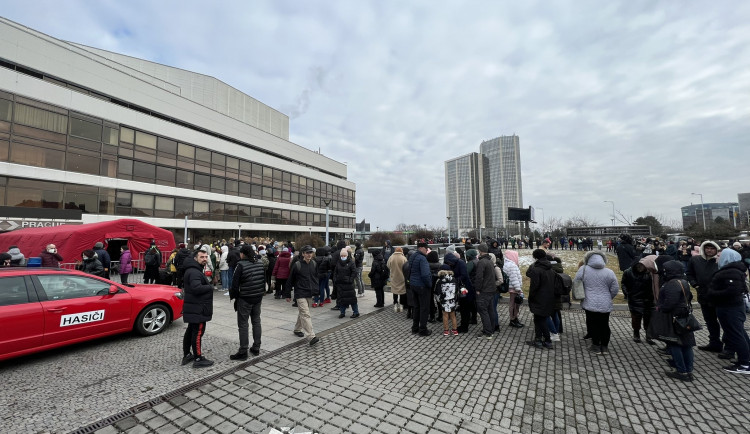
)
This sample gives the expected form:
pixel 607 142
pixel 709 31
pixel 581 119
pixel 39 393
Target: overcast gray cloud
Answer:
pixel 641 103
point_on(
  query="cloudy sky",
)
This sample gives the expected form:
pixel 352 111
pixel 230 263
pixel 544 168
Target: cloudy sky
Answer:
pixel 637 102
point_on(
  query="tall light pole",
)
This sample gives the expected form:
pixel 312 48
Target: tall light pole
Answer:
pixel 239 232
pixel 449 228
pixel 703 210
pixel 613 210
pixel 327 202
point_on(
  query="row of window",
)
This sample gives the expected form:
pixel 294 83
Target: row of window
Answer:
pixel 46 136
pixel 42 194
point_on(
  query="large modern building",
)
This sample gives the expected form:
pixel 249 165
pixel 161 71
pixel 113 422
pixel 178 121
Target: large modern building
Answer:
pixel 479 187
pixel 107 136
pixel 743 213
pixel 709 212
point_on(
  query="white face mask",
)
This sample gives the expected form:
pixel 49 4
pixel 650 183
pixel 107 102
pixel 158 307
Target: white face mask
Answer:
pixel 344 258
pixel 52 250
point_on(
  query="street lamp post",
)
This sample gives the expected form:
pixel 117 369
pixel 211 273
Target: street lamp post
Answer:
pixel 613 210
pixel 703 210
pixel 239 232
pixel 327 202
pixel 449 228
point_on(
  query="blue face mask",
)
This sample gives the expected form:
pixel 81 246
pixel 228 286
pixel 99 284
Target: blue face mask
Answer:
pixel 344 258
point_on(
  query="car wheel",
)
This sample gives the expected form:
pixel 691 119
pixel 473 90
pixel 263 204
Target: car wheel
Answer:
pixel 153 319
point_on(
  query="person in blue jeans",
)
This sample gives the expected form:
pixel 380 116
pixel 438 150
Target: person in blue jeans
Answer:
pixel 726 293
pixel 674 299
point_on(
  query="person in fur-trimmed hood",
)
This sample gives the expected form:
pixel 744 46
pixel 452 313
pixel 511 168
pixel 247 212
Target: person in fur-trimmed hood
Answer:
pixel 601 287
pixel 700 271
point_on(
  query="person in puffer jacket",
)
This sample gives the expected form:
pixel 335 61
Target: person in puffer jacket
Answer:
pixel 600 288
pixel 515 287
pixel 726 293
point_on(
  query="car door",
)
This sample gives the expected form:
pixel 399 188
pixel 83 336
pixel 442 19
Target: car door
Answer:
pixel 79 307
pixel 22 314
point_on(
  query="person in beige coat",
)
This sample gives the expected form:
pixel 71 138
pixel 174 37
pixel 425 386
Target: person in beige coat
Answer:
pixel 398 282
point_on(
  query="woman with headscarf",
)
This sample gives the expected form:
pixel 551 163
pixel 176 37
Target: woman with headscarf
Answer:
pixel 726 292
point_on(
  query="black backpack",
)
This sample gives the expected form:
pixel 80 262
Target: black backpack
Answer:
pixel 151 259
pixel 563 284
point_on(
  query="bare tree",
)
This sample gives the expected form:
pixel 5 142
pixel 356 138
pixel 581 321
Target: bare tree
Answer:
pixel 578 220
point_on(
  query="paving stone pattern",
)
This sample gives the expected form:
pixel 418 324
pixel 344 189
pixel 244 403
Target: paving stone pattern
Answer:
pixel 374 376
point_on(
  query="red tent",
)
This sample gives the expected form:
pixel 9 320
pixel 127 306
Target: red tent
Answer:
pixel 71 240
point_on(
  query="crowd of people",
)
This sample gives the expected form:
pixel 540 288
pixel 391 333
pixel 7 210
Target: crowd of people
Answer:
pixel 462 290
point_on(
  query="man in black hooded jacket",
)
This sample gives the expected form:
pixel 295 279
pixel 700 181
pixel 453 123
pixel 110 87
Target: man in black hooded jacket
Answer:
pixel 197 308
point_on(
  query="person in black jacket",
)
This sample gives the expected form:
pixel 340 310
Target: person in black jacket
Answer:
pixel 700 270
pixel 344 274
pixel 674 298
pixel 197 308
pixel 726 292
pixel 323 258
pixel 247 290
pixel 626 254
pixel 378 277
pixel 359 257
pixel 636 283
pixel 179 259
pixel 233 257
pixel 104 258
pixel 303 278
pixel 541 297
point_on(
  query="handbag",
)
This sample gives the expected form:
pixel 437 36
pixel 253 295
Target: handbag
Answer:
pixel 687 323
pixel 579 290
pixel 661 328
pixel 208 273
pixel 519 299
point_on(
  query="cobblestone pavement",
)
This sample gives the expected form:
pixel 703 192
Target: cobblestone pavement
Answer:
pixel 373 375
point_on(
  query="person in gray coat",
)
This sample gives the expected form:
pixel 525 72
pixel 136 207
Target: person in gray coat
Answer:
pixel 601 287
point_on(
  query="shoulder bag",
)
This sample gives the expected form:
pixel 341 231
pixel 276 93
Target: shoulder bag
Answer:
pixel 687 323
pixel 579 290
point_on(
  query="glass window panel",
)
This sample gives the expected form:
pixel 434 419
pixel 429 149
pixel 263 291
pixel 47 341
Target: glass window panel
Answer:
pixel 267 193
pixel 244 189
pixel 232 186
pixel 185 178
pixel 144 170
pixel 109 135
pixel 125 167
pixel 139 154
pixel 38 118
pixel 4 149
pixel 202 181
pixel 127 135
pixel 233 163
pixel 166 174
pixel 85 129
pixel 166 146
pixel 230 212
pixel 34 194
pixel 217 185
pixel 202 155
pixel 277 175
pixel 184 150
pixel 6 110
pixel 243 211
pixel 199 206
pixel 276 195
pixel 257 191
pixel 124 198
pixel 285 196
pixel 183 207
pixel 143 204
pixel 164 203
pixel 84 162
pixel 37 156
pixel 218 159
pixel 86 202
pixel 146 140
pixel 72 287
pixel 106 201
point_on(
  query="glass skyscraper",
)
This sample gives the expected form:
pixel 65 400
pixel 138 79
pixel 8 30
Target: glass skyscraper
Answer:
pixel 479 187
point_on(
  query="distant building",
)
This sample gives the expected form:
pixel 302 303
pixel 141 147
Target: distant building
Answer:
pixel 695 213
pixel 479 187
pixel 362 226
pixel 743 213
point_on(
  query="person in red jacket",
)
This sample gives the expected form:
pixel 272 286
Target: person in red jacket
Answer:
pixel 281 271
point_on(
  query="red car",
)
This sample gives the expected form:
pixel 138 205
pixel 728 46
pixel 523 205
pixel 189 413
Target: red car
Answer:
pixel 44 308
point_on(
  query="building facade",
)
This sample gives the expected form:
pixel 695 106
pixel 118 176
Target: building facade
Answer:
pixel 743 213
pixel 695 214
pixel 479 188
pixel 114 136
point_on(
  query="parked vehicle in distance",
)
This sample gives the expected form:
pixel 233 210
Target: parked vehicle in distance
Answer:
pixel 45 308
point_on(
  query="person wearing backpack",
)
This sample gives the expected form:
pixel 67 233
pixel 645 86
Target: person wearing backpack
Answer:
pixel 378 277
pixel 179 258
pixel 152 259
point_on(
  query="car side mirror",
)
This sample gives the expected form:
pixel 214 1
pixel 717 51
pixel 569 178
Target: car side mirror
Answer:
pixel 113 290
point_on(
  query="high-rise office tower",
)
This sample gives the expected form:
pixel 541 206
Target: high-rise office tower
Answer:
pixel 479 187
